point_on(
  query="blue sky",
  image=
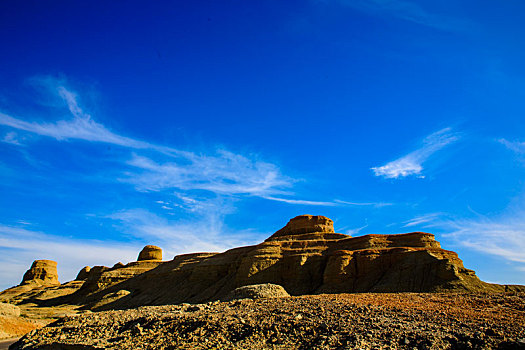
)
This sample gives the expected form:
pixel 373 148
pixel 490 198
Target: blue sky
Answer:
pixel 201 126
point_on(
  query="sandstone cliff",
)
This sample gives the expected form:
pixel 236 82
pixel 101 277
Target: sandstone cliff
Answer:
pixel 305 257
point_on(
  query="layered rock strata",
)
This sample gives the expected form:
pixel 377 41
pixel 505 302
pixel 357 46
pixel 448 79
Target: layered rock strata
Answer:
pixel 304 257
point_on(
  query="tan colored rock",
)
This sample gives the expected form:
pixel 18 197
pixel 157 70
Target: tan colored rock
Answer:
pixel 42 272
pixel 9 310
pixel 150 252
pixel 305 224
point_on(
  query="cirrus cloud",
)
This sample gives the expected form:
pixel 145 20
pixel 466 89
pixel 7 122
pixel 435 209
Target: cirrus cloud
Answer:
pixel 412 163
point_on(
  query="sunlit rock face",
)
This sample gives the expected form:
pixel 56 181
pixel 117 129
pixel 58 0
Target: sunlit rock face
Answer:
pixel 42 272
pixel 150 252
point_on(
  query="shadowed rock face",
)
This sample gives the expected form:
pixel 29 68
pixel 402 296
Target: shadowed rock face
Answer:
pixel 42 272
pixel 83 274
pixel 150 252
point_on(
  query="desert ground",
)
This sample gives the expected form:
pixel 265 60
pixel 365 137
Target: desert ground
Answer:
pixel 337 321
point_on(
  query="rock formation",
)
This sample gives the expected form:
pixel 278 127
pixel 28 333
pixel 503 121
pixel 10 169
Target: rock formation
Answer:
pixel 304 257
pixel 42 272
pixel 305 224
pixel 150 252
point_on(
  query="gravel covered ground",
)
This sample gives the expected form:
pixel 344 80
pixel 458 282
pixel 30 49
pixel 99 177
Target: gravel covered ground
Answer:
pixel 341 321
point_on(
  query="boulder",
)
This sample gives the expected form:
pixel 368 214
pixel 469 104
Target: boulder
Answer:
pixel 150 252
pixel 42 272
pixel 258 291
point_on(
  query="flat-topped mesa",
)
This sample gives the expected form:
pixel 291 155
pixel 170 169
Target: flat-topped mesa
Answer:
pixel 150 252
pixel 304 224
pixel 42 272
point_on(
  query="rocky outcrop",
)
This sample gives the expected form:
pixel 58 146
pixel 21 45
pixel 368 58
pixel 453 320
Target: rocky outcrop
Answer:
pixel 305 261
pixel 150 252
pixel 304 224
pixel 42 272
pixel 304 257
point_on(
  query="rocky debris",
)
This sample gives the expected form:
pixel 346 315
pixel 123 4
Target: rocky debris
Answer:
pixel 344 321
pixel 150 252
pixel 42 272
pixel 257 291
pixel 9 310
pixel 83 274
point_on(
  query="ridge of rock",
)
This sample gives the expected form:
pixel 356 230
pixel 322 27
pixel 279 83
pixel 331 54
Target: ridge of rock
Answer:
pixel 304 257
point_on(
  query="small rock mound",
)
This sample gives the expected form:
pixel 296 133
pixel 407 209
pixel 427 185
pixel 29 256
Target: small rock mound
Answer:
pixel 306 224
pixel 42 272
pixel 258 291
pixel 120 265
pixel 150 252
pixel 9 310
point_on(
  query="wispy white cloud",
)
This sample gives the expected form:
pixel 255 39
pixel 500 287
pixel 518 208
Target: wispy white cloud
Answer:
pixel 412 163
pixel 408 11
pixel 12 138
pixel 422 219
pixel 355 231
pixel 169 169
pixel 516 146
pixel 204 234
pixel 502 236
pixel 361 204
pixel 335 202
pixel 20 246
pixel 300 201
pixel 79 128
pixel 225 173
